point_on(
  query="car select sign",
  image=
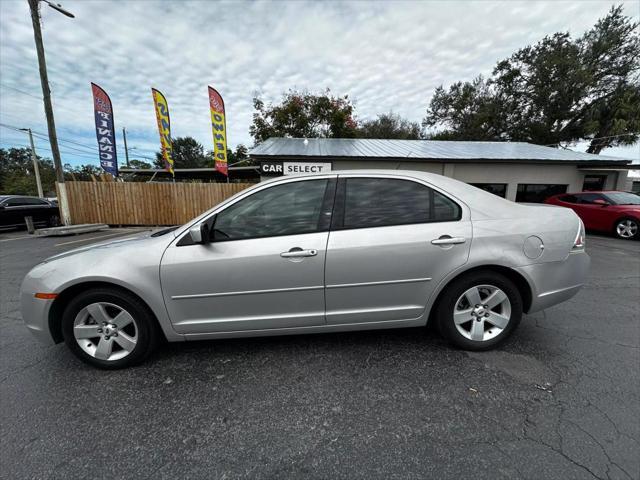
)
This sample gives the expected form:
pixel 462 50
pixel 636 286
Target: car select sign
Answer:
pixel 293 168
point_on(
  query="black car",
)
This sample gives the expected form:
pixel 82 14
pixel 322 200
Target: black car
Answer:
pixel 13 209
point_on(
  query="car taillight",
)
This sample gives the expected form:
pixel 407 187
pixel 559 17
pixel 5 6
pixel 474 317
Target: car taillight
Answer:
pixel 579 242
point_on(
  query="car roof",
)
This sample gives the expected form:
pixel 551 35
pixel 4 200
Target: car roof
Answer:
pixel 7 197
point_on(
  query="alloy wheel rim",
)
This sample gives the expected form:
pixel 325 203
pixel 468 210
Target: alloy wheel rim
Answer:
pixel 627 228
pixel 105 331
pixel 482 313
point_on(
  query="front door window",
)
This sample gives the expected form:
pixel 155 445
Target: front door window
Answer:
pixel 289 209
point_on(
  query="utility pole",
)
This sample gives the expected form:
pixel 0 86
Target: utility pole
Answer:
pixel 34 158
pixel 34 6
pixel 126 150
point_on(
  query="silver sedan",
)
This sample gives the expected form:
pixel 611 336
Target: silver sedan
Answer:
pixel 351 250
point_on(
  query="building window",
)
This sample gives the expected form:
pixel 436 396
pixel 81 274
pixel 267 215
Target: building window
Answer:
pixel 594 183
pixel 538 192
pixel 499 189
pixel 635 187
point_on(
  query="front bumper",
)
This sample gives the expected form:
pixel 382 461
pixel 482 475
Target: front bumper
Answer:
pixel 556 282
pixel 35 311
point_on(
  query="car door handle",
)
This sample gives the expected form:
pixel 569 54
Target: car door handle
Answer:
pixel 447 240
pixel 298 252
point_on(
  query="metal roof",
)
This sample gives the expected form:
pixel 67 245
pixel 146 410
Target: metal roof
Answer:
pixel 420 150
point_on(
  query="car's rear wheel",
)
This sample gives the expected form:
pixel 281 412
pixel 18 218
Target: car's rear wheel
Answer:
pixel 109 328
pixel 479 311
pixel 627 229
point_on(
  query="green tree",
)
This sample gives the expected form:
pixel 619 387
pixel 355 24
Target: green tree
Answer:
pixel 239 157
pixel 557 91
pixel 83 173
pixel 467 111
pixel 390 125
pixel 17 176
pixel 140 164
pixel 303 114
pixel 187 153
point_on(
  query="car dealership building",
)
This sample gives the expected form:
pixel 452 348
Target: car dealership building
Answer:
pixel 517 171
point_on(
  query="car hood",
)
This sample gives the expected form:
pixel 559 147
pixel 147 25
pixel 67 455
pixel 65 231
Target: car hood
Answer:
pixel 134 240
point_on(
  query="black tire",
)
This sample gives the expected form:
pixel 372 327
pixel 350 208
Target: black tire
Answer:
pixel 452 293
pixel 634 223
pixel 145 323
pixel 53 221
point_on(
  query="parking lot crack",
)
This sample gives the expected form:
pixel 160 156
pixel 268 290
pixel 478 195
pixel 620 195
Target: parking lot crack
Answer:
pixel 604 451
pixel 581 337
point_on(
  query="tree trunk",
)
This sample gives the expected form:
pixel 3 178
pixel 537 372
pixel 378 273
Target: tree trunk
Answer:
pixel 599 143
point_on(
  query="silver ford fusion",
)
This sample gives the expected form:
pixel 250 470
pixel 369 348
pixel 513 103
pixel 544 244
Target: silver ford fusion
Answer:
pixel 350 250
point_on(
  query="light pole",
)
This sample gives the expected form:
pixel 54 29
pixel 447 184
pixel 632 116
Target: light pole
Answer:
pixel 34 159
pixel 126 150
pixel 34 6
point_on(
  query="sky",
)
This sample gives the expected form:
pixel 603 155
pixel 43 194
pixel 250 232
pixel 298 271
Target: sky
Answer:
pixel 387 56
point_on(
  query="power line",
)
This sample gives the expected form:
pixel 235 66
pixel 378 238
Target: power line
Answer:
pixel 11 127
pixel 71 154
pixel 59 106
pixel 44 136
pixel 85 153
pixel 86 149
pixel 89 149
pixel 614 136
pixel 600 138
pixel 20 91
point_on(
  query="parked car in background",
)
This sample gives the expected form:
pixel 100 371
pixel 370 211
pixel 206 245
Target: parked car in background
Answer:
pixel 611 212
pixel 353 250
pixel 14 208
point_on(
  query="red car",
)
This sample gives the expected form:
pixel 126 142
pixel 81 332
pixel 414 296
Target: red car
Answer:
pixel 617 212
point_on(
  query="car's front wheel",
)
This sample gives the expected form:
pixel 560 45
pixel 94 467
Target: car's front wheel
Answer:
pixel 480 310
pixel 109 328
pixel 627 229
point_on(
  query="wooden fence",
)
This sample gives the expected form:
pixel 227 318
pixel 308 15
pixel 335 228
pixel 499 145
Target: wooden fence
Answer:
pixel 126 203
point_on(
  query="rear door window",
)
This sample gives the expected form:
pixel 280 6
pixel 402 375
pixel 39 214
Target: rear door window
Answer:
pixel 379 202
pixel 36 202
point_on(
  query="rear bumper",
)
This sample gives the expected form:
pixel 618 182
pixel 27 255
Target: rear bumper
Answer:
pixel 556 282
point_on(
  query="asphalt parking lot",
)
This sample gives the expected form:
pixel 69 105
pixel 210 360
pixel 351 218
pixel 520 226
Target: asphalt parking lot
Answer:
pixel 560 400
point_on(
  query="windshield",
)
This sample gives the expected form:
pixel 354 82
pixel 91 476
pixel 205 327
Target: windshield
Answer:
pixel 624 198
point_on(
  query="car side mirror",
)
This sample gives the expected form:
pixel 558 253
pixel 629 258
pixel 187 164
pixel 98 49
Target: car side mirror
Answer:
pixel 200 233
pixel 602 203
